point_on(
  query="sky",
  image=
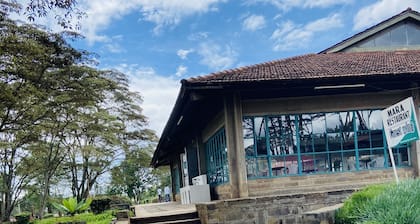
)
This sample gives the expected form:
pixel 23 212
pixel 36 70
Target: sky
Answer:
pixel 157 43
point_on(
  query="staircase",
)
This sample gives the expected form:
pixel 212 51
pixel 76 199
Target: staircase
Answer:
pixel 180 218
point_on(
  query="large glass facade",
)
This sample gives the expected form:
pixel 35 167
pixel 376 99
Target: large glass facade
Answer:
pixel 216 154
pixel 300 144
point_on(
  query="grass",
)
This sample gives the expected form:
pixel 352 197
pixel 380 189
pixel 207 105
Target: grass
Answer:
pixel 383 204
pixel 103 218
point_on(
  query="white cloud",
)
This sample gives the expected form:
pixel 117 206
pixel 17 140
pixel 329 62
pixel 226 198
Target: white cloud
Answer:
pixel 198 36
pixel 286 5
pixel 216 57
pixel 381 10
pixel 181 70
pixel 159 93
pixel 292 36
pixel 162 13
pixel 184 53
pixel 253 23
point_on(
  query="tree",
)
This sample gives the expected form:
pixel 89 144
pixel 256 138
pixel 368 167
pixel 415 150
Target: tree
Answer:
pixel 64 10
pixel 134 175
pixel 41 76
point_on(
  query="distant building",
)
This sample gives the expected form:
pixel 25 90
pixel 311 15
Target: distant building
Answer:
pixel 299 124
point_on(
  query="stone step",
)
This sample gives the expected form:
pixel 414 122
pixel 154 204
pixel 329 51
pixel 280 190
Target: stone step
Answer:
pixel 184 221
pixel 323 215
pixel 190 217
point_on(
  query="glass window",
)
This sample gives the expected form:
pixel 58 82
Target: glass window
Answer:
pixel 216 153
pixel 343 141
pixel 413 34
pixel 399 35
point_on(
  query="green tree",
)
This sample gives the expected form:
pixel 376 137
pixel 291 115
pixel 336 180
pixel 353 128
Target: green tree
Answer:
pixel 134 175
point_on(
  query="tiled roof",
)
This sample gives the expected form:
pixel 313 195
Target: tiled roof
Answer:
pixel 319 66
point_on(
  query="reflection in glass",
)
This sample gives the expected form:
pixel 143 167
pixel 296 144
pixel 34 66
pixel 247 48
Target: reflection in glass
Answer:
pixel 334 141
pixel 375 120
pixel 249 147
pixel 320 143
pixel 362 119
pixel 348 140
pixel 248 127
pixel 251 167
pixel 260 137
pixel 318 123
pixel 333 122
pixel 262 167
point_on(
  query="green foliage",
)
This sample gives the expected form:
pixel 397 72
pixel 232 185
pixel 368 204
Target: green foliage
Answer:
pixel 348 213
pixel 23 218
pixel 71 206
pixel 383 204
pixel 398 204
pixel 102 203
pixel 103 218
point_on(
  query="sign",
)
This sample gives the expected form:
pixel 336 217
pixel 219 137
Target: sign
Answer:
pixel 400 123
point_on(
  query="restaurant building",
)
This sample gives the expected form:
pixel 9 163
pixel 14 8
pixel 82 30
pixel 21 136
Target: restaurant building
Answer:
pixel 301 124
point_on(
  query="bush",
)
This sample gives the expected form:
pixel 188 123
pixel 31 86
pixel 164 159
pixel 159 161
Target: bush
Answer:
pixel 89 218
pixel 23 218
pixel 348 213
pixel 103 203
pixel 383 204
pixel 399 204
pixel 100 205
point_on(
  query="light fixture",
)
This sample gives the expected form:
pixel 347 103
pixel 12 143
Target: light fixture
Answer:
pixel 179 120
pixel 340 86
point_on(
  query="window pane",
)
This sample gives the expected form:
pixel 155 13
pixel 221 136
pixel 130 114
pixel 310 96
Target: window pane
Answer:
pixel 251 167
pixel 318 123
pixel 308 163
pixel 362 119
pixel 377 138
pixel 333 122
pixel 259 130
pixel 306 143
pixel 348 140
pixel 334 142
pixel 383 39
pixel 320 143
pixel 413 34
pixel 375 120
pixel 398 35
pixel 278 166
pixel 248 127
pixel 363 140
pixel 249 147
pixel 262 167
pixel 349 161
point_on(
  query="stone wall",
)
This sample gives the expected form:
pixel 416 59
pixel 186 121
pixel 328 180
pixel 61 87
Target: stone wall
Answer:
pixel 282 209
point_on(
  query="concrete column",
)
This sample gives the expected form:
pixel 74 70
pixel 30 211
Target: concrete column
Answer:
pixel 415 147
pixel 234 141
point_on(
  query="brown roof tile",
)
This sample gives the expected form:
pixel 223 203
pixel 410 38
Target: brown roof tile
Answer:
pixel 318 66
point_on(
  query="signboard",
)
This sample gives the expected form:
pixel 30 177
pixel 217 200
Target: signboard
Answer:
pixel 400 123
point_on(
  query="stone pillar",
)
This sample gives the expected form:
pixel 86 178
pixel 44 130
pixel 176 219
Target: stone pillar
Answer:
pixel 415 147
pixel 234 141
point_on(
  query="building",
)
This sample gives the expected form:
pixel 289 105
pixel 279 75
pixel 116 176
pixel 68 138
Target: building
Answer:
pixel 299 124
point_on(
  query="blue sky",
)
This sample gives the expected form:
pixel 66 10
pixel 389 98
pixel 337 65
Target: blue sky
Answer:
pixel 159 42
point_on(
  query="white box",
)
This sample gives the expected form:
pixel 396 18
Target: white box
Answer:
pixel 199 180
pixel 195 194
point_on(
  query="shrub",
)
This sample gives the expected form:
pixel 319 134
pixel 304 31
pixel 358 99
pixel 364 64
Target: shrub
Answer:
pixel 99 205
pixel 89 218
pixel 383 204
pixel 71 206
pixel 103 203
pixel 348 214
pixel 23 218
pixel 399 204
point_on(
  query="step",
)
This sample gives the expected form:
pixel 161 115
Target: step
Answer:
pixel 165 218
pixel 183 221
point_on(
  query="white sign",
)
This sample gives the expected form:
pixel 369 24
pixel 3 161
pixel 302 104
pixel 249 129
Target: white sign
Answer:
pixel 400 123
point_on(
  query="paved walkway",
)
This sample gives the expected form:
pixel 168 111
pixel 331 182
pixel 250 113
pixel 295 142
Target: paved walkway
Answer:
pixel 162 209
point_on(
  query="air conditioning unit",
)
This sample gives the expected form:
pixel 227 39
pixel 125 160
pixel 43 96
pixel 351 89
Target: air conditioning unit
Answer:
pixel 200 180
